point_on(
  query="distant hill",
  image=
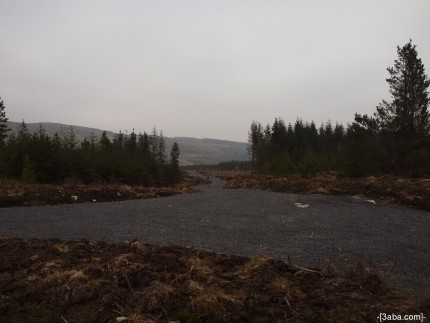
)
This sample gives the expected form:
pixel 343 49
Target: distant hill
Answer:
pixel 193 151
pixel 52 128
pixel 209 151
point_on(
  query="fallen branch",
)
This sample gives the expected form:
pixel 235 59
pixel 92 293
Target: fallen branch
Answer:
pixel 129 285
pixel 307 270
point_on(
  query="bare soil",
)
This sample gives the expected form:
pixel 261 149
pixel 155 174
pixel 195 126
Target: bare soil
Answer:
pixel 14 193
pixel 93 281
pixel 401 191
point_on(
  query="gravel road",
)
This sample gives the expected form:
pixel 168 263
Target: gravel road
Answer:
pixel 248 222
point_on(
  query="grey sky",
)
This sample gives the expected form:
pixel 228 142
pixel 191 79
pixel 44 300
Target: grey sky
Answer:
pixel 201 68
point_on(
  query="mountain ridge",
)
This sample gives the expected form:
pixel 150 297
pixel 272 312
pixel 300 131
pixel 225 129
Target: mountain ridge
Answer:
pixel 194 151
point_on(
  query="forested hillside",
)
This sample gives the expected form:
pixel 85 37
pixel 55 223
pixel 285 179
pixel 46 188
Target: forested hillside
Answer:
pixel 193 150
pixel 37 157
pixel 395 140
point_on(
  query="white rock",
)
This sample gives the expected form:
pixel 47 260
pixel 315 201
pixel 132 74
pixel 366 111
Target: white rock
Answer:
pixel 301 205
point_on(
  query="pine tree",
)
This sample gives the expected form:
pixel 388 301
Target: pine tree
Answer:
pixel 118 141
pixel 70 141
pixel 104 157
pixel 255 136
pixel 21 149
pixel 27 175
pixel 172 172
pixel 3 123
pixel 3 134
pixel 408 112
pixel 153 143
pixel 174 155
pixel 23 133
pixel 143 143
pixel 104 142
pixel 131 143
pixel 403 125
pixel 42 155
pixel 277 134
pixel 161 151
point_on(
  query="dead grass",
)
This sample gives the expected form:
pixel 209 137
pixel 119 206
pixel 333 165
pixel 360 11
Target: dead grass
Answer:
pixel 14 193
pixel 254 264
pixel 201 269
pixel 157 294
pixel 209 299
pixel 414 192
pixel 106 282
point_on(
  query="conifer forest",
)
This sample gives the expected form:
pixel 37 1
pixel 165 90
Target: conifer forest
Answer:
pixel 131 159
pixel 395 140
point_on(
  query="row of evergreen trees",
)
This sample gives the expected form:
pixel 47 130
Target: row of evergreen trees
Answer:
pixel 133 159
pixel 295 148
pixel 395 140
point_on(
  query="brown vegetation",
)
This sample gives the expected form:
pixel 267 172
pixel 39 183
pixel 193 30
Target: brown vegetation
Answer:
pixel 14 193
pixel 91 281
pixel 402 191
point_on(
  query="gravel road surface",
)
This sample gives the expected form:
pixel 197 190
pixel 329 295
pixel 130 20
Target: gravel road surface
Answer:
pixel 249 222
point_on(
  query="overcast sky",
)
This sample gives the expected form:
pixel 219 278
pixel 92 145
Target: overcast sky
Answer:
pixel 201 68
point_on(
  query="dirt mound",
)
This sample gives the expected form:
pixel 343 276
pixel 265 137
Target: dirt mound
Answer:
pixel 92 281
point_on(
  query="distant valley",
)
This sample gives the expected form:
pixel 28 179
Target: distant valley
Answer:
pixel 193 151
